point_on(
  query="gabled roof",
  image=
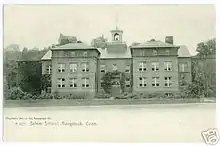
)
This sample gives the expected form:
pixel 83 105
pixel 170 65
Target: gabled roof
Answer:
pixel 105 54
pixel 47 56
pixel 71 46
pixel 183 51
pixel 154 44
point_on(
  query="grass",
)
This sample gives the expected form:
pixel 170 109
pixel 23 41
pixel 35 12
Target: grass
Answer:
pixel 87 102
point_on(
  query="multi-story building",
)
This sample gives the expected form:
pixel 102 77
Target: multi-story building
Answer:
pixel 153 66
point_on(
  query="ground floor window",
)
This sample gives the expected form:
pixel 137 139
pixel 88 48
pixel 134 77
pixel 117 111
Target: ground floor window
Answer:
pixel 142 81
pixel 61 82
pixel 155 81
pixel 85 82
pixel 73 83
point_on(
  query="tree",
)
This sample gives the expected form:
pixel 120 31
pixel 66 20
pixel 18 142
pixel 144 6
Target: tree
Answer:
pixel 206 48
pixel 99 42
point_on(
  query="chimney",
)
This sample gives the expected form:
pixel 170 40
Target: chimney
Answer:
pixel 169 39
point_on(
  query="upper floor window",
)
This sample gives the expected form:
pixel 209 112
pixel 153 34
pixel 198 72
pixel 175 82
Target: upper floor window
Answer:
pixel 183 67
pixel 49 69
pixel 72 83
pixel 61 67
pixel 102 68
pixel 155 66
pixel 167 52
pixel 143 66
pixel 73 54
pixel 73 67
pixel 85 82
pixel 167 81
pixel 127 68
pixel 142 52
pixel 85 54
pixel 154 52
pixel 114 67
pixel 127 82
pixel 142 81
pixel 85 67
pixel 61 82
pixel 168 66
pixel 155 81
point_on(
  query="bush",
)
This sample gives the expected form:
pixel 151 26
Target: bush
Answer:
pixel 81 95
pixel 102 96
pixel 15 93
pixel 27 96
pixel 154 95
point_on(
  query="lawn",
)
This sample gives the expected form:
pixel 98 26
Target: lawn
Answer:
pixel 110 123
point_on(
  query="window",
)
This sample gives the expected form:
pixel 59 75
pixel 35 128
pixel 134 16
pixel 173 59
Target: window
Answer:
pixel 85 67
pixel 61 67
pixel 73 67
pixel 155 66
pixel 61 82
pixel 142 52
pixel 142 81
pixel 85 82
pixel 167 82
pixel 127 68
pixel 85 54
pixel 73 54
pixel 183 67
pixel 143 66
pixel 127 83
pixel 154 52
pixel 168 66
pixel 102 68
pixel 49 69
pixel 114 67
pixel 73 83
pixel 155 81
pixel 167 52
pixel 169 94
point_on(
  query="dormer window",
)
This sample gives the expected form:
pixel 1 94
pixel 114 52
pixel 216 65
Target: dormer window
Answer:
pixel 85 54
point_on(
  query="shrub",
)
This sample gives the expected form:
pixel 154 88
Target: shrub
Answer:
pixel 102 96
pixel 15 93
pixel 27 96
pixel 78 95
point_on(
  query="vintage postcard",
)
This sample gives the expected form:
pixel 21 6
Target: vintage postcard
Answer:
pixel 109 73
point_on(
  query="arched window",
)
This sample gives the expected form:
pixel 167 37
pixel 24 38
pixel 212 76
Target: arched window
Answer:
pixel 116 37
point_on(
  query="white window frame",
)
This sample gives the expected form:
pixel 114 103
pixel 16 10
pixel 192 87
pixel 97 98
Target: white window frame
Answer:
pixel 85 53
pixel 168 81
pixel 73 53
pixel 155 52
pixel 61 66
pixel 73 82
pixel 156 81
pixel 49 69
pixel 73 67
pixel 142 66
pixel 167 51
pixel 85 67
pixel 85 82
pixel 142 81
pixel 127 68
pixel 61 82
pixel 168 64
pixel 155 65
pixel 102 68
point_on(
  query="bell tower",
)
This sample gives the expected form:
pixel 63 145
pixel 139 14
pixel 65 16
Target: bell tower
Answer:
pixel 116 35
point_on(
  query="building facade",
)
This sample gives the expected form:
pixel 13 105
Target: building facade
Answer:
pixel 153 66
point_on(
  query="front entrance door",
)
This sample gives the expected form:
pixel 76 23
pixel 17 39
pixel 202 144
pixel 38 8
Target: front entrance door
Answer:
pixel 116 89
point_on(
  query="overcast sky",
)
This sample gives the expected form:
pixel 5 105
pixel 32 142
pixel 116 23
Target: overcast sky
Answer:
pixel 40 25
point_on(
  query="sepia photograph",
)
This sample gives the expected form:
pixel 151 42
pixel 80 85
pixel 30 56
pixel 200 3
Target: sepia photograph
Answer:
pixel 109 73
